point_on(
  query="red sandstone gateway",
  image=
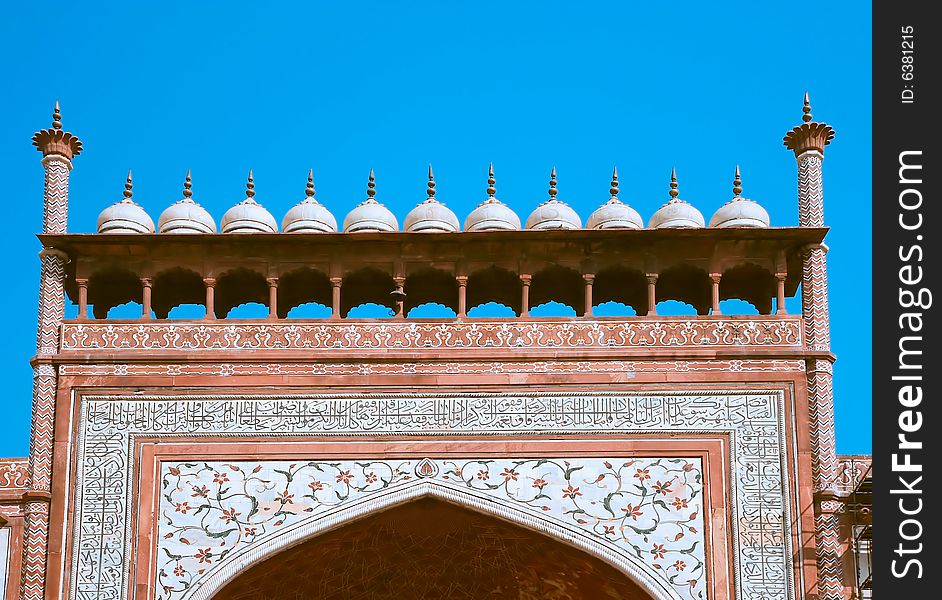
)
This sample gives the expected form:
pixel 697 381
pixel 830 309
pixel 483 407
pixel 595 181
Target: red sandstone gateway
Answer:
pixel 676 458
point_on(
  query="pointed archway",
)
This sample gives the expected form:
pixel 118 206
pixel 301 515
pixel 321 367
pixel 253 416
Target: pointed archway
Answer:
pixel 430 549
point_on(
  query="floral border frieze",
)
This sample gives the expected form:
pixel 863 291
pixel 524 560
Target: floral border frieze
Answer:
pixel 652 508
pixel 14 474
pixel 761 331
pixel 759 526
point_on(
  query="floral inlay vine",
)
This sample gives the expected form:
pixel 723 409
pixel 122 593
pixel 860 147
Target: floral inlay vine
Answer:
pixel 650 508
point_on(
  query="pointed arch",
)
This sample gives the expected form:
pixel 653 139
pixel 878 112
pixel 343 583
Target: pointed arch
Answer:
pixel 342 515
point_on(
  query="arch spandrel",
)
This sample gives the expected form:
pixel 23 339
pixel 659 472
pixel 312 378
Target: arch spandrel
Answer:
pixel 583 502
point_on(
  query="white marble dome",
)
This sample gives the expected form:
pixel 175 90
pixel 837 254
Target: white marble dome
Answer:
pixel 309 215
pixel 492 214
pixel 125 216
pixel 614 214
pixel 431 216
pixel 248 216
pixel 186 216
pixel 676 213
pixel 740 212
pixel 554 213
pixel 370 215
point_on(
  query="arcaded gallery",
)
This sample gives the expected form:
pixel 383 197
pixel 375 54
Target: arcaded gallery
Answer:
pixel 483 454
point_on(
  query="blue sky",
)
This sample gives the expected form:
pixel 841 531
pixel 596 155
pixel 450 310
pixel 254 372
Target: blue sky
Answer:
pixel 220 87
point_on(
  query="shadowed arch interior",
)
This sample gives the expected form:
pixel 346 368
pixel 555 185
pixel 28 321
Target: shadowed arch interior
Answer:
pixel 494 284
pixel 560 284
pixel 621 284
pixel 238 286
pixel 174 287
pixel 112 287
pixel 431 285
pixel 368 284
pixel 685 283
pixel 749 282
pixel 300 287
pixel 430 550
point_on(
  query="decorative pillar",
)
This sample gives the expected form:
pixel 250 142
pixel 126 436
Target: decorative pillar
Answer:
pixel 210 284
pixel 272 298
pixel 807 141
pixel 652 294
pixel 780 293
pixel 400 297
pixel 335 283
pixel 715 292
pixel 147 285
pixel 588 278
pixel 58 148
pixel 525 295
pixel 83 298
pixel 462 296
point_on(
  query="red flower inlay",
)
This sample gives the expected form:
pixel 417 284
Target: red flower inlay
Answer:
pixel 285 498
pixel 509 474
pixel 538 483
pixel 204 555
pixel 571 492
pixel 182 507
pixel 316 486
pixel 633 511
pixel 220 478
pixel 642 474
pixel 344 477
pixel 662 488
pixel 679 503
pixel 371 477
pixel 483 474
pixel 658 551
pixel 680 565
pixel 200 492
pixel 229 515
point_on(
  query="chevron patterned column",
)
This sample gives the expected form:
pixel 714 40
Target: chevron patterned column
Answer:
pixel 808 141
pixel 59 148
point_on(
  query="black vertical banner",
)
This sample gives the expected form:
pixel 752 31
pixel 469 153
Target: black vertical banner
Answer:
pixel 907 224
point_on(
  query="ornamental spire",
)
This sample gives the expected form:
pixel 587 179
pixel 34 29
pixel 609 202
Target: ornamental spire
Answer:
pixel 806 109
pixel 309 191
pixel 128 188
pixel 491 190
pixel 614 189
pixel 552 189
pixel 674 193
pixel 250 187
pixel 56 117
pixel 371 186
pixel 431 184
pixel 737 184
pixel 187 185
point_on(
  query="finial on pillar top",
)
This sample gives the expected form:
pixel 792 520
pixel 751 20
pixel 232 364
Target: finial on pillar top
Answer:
pixel 614 189
pixel 552 189
pixel 54 141
pixel 128 192
pixel 491 190
pixel 309 192
pixel 371 186
pixel 810 135
pixel 431 183
pixel 250 186
pixel 674 193
pixel 737 184
pixel 187 185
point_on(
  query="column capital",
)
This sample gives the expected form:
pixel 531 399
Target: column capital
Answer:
pixel 54 253
pixel 56 142
pixel 209 282
pixel 588 277
pixel 272 281
pixel 462 280
pixel 147 281
pixel 716 277
pixel 651 278
pixel 808 248
pixel 336 281
pixel 526 279
pixel 810 135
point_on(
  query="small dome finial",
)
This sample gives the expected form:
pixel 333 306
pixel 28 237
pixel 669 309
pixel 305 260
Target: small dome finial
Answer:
pixel 552 189
pixel 614 189
pixel 491 190
pixel 187 184
pixel 431 183
pixel 309 192
pixel 128 192
pixel 250 186
pixel 806 109
pixel 371 186
pixel 737 184
pixel 674 193
pixel 56 117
